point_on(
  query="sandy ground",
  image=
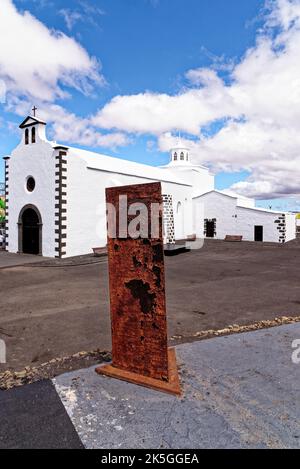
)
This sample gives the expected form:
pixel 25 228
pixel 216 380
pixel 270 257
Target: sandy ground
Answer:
pixel 50 310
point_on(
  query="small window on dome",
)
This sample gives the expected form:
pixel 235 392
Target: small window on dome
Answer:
pixel 175 156
pixel 187 157
pixel 33 135
pixel 182 156
pixel 30 185
pixel 26 136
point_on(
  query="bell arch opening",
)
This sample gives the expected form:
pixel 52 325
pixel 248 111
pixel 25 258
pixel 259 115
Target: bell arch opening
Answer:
pixel 30 230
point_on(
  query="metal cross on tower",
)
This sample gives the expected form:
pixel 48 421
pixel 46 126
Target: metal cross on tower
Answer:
pixel 34 110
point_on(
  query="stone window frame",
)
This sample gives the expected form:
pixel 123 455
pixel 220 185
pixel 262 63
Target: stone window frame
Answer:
pixel 28 189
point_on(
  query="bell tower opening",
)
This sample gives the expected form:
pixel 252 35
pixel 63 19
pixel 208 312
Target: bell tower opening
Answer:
pixel 180 156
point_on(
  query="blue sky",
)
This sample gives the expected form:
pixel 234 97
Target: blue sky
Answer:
pixel 145 46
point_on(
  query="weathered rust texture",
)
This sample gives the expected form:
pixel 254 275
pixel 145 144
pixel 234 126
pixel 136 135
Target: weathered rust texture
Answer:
pixel 172 386
pixel 137 291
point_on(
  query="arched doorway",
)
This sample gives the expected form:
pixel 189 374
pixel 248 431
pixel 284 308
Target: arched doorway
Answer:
pixel 30 230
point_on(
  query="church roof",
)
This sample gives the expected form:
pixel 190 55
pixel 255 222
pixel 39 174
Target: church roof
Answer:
pixel 188 165
pixel 31 121
pixel 215 191
pixel 100 162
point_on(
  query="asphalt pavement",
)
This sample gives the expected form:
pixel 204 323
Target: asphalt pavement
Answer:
pixel 239 391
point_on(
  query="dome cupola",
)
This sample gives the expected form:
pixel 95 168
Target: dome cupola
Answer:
pixel 180 155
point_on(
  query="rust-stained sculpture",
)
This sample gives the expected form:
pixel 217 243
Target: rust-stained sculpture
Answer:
pixel 137 291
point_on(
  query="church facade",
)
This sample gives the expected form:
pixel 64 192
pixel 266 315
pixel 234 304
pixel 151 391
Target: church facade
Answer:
pixel 55 199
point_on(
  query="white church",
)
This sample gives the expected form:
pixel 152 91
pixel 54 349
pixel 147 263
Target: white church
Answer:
pixel 56 199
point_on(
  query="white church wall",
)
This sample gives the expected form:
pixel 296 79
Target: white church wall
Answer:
pixel 182 208
pixel 201 179
pixel 86 208
pixel 198 219
pixel 34 160
pixel 249 218
pixel 236 220
pixel 246 202
pixel 216 206
pixel 242 201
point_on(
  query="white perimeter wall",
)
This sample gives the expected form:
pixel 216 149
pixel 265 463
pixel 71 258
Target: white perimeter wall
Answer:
pixel 234 220
pixel 36 160
pixel 86 207
pixel 247 219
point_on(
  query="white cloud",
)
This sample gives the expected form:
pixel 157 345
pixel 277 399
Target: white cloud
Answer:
pixel 36 61
pixel 260 108
pixel 2 91
pixel 85 13
pixel 154 3
pixel 68 127
pixel 283 13
pixel 259 104
pixel 157 113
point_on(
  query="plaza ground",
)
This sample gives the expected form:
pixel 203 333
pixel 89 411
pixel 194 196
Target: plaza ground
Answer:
pixel 51 309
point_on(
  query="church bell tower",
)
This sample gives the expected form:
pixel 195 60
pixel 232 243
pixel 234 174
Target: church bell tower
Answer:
pixel 180 155
pixel 34 129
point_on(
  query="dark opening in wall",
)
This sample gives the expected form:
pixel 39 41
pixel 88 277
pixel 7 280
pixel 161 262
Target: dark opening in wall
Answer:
pixel 33 135
pixel 30 184
pixel 259 233
pixel 210 228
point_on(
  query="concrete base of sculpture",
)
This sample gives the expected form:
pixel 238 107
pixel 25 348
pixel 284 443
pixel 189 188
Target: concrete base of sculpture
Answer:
pixel 172 386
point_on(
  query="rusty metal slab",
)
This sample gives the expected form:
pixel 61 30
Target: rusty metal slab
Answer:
pixel 137 286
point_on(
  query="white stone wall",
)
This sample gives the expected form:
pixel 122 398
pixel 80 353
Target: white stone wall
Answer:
pixel 235 220
pixel 201 179
pixel 246 202
pixel 36 160
pixel 290 226
pixel 215 205
pixel 86 208
pixel 248 218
